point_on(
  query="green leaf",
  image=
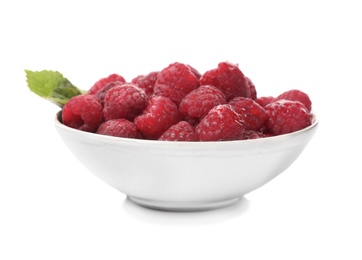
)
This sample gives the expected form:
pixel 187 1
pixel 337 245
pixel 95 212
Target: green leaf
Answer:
pixel 52 86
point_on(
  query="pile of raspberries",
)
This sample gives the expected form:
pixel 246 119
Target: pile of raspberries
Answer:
pixel 178 103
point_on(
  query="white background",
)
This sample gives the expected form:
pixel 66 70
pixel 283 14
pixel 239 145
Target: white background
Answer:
pixel 51 207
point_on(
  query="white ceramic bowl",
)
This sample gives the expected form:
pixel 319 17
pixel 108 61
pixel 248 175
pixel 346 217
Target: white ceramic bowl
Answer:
pixel 185 176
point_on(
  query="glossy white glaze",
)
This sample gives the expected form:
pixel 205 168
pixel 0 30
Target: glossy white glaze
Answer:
pixel 185 175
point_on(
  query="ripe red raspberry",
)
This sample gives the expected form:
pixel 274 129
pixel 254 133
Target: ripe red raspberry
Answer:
pixel 104 81
pixel 252 89
pixel 146 82
pixel 101 94
pixel 296 95
pixel 228 78
pixel 124 101
pixel 222 123
pixel 200 101
pixel 83 112
pixel 285 116
pixel 175 82
pixel 119 128
pixel 264 101
pixel 159 115
pixel 182 131
pixel 253 114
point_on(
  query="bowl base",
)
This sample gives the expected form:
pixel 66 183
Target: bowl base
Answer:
pixel 183 206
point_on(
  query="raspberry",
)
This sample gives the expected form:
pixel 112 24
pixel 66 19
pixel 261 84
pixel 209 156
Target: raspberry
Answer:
pixel 83 112
pixel 104 81
pixel 264 101
pixel 285 116
pixel 119 128
pixel 228 78
pixel 252 89
pixel 253 114
pixel 222 123
pixel 175 82
pixel 147 82
pixel 124 101
pixel 191 120
pixel 195 72
pixel 159 115
pixel 200 101
pixel 296 95
pixel 251 134
pixel 182 131
pixel 102 92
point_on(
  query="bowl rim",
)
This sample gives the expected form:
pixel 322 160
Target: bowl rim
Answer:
pixel 59 124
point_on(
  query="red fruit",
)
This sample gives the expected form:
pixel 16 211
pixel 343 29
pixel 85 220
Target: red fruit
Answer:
pixel 222 123
pixel 285 116
pixel 104 81
pixel 182 131
pixel 119 128
pixel 296 95
pixel 195 72
pixel 228 78
pixel 191 120
pixel 252 89
pixel 124 101
pixel 253 114
pixel 159 115
pixel 200 101
pixel 264 101
pixel 175 82
pixel 147 82
pixel 83 112
pixel 101 94
pixel 251 134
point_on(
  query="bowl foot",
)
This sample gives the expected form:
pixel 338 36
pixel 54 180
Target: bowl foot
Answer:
pixel 183 206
